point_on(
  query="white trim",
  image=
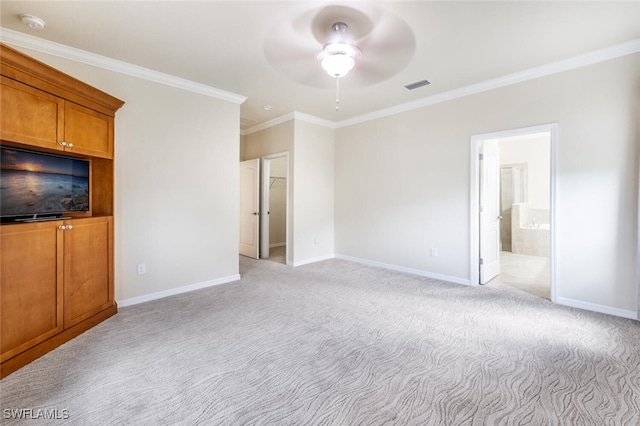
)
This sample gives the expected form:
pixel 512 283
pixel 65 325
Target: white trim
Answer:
pixel 277 245
pixel 26 41
pixel 45 46
pixel 314 260
pixel 412 271
pixel 295 115
pixel 594 307
pixel 474 197
pixel 590 58
pixel 172 292
pixel 270 123
pixel 314 120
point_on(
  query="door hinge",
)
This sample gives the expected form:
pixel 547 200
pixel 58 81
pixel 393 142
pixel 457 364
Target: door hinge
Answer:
pixel 481 261
pixel 481 157
pixel 481 209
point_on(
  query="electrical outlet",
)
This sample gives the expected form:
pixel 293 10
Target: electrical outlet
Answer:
pixel 142 268
pixel 434 252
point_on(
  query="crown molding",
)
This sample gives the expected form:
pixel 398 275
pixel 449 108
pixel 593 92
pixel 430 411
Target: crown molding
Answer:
pixel 26 41
pixel 314 120
pixel 270 123
pixel 602 55
pixel 295 115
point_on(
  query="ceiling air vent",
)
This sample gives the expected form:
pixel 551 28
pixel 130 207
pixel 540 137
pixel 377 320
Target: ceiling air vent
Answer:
pixel 246 121
pixel 417 84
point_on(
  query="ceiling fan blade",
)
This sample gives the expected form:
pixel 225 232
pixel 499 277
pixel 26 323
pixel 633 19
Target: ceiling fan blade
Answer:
pixel 386 42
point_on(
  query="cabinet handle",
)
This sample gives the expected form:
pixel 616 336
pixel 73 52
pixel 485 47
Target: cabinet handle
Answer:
pixel 69 144
pixel 63 143
pixel 65 227
pixel 69 226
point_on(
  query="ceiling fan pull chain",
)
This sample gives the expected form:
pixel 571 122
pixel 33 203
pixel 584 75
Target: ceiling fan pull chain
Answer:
pixel 337 93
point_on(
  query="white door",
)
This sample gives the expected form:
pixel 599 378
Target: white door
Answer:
pixel 249 207
pixel 489 210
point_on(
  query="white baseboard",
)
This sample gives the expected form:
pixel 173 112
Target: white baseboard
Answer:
pixel 277 245
pixel 419 272
pixel 314 260
pixel 594 307
pixel 171 292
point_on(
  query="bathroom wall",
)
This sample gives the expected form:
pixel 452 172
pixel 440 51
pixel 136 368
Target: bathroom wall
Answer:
pixel 534 151
pixel 525 163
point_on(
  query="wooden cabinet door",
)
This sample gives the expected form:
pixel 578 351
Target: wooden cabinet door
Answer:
pixel 29 115
pixel 90 132
pixel 88 268
pixel 31 285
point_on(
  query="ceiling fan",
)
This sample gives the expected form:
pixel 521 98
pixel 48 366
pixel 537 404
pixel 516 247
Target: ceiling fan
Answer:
pixel 338 56
pixel 369 43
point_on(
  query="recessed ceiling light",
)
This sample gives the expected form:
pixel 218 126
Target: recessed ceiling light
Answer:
pixel 32 22
pixel 267 107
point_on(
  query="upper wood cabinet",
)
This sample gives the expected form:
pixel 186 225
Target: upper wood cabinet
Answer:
pixel 45 108
pixel 87 131
pixel 33 117
pixel 29 115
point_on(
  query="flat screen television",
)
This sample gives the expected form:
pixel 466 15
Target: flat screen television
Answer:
pixel 40 186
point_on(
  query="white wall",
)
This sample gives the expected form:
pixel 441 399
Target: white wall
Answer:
pixel 311 186
pixel 314 158
pixel 176 202
pixel 275 140
pixel 402 182
pixel 535 152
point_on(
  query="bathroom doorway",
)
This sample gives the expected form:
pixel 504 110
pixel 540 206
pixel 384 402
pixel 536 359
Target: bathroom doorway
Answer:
pixel 525 204
pixel 274 199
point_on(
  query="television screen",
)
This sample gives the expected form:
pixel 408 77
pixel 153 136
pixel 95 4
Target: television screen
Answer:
pixel 34 183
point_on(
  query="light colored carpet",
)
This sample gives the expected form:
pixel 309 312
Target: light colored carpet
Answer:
pixel 338 343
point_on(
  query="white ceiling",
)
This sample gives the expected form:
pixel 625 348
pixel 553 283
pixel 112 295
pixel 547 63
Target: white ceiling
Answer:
pixel 240 46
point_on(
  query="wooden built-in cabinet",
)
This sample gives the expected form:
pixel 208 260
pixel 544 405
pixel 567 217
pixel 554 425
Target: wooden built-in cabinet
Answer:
pixel 31 304
pixel 39 119
pixel 56 277
pixel 88 268
pixel 69 278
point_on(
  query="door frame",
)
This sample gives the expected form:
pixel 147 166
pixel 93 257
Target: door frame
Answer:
pixel 264 206
pixel 474 197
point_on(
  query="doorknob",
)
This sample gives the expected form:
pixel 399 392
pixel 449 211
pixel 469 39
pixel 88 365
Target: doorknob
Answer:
pixel 499 217
pixel 256 213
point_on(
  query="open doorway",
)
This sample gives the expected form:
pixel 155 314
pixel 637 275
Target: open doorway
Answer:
pixel 512 210
pixel 274 199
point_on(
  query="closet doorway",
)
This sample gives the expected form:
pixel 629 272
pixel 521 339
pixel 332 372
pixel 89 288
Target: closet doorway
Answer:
pixel 275 201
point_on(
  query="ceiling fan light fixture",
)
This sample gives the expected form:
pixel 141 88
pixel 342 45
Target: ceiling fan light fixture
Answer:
pixel 338 65
pixel 337 59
